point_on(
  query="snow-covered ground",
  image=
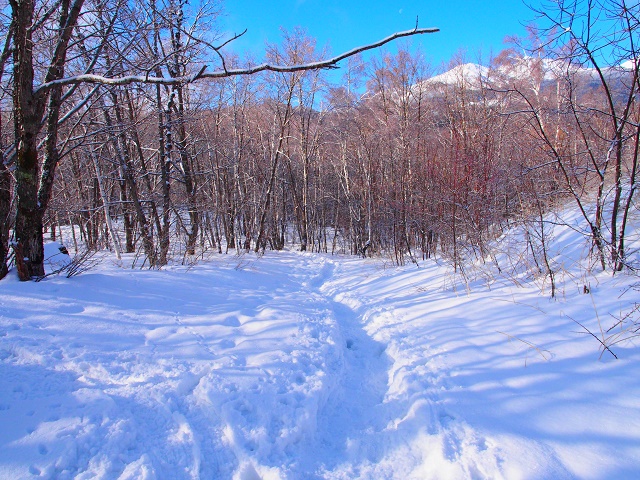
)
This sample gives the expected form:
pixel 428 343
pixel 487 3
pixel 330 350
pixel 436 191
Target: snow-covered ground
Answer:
pixel 300 366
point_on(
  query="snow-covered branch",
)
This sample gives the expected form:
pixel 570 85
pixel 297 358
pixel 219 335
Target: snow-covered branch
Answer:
pixel 329 63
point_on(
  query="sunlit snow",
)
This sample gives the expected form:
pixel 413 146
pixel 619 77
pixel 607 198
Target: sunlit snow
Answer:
pixel 297 365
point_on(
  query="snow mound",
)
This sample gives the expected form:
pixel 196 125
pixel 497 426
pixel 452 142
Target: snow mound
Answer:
pixel 56 256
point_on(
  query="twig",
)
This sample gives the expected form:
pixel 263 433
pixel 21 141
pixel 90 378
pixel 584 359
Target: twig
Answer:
pixel 542 352
pixel 601 342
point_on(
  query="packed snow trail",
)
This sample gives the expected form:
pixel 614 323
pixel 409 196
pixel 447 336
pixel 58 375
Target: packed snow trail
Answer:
pixel 296 365
pixel 371 427
pixel 251 368
pixel 353 409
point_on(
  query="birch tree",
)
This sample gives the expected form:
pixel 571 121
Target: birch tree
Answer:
pixel 600 39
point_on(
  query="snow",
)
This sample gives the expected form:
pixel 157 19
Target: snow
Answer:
pixel 473 75
pixel 628 64
pixel 296 365
pixel 56 257
pixel 469 73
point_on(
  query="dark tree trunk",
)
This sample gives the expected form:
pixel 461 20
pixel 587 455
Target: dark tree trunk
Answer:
pixel 28 111
pixel 34 190
pixel 189 180
pixel 5 176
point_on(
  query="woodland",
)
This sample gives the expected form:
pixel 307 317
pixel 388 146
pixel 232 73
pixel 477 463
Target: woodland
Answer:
pixel 130 121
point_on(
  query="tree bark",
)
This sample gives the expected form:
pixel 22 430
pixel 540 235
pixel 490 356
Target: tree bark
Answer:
pixel 28 111
pixel 29 104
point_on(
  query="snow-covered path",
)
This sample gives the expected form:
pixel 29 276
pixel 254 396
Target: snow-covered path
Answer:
pixel 386 418
pixel 297 366
pixel 354 407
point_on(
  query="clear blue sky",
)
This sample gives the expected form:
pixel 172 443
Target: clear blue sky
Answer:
pixel 473 25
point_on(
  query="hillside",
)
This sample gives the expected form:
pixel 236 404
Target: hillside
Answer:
pixel 295 365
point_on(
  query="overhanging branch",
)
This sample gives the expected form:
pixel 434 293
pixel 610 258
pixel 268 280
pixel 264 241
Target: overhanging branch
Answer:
pixel 329 63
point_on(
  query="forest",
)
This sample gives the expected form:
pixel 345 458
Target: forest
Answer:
pixel 112 122
pixel 312 264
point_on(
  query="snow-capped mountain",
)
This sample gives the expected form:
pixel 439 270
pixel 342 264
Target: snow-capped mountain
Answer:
pixel 527 69
pixel 467 72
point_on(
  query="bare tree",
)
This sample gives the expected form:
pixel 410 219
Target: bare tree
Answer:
pixel 598 40
pixel 5 175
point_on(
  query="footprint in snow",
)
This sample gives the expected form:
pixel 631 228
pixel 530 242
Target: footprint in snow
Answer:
pixel 226 344
pixel 231 322
pixel 445 419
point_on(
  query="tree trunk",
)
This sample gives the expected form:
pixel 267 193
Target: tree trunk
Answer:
pixel 28 104
pixel 28 111
pixel 5 178
pixel 105 205
pixel 189 180
pixel 5 212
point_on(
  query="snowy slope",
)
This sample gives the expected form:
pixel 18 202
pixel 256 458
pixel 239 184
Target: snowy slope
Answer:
pixel 297 365
pixel 522 69
pixel 468 73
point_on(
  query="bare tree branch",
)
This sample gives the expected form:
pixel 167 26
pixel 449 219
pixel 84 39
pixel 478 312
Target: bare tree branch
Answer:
pixel 329 63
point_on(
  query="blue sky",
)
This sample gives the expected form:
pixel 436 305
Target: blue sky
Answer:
pixel 469 25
